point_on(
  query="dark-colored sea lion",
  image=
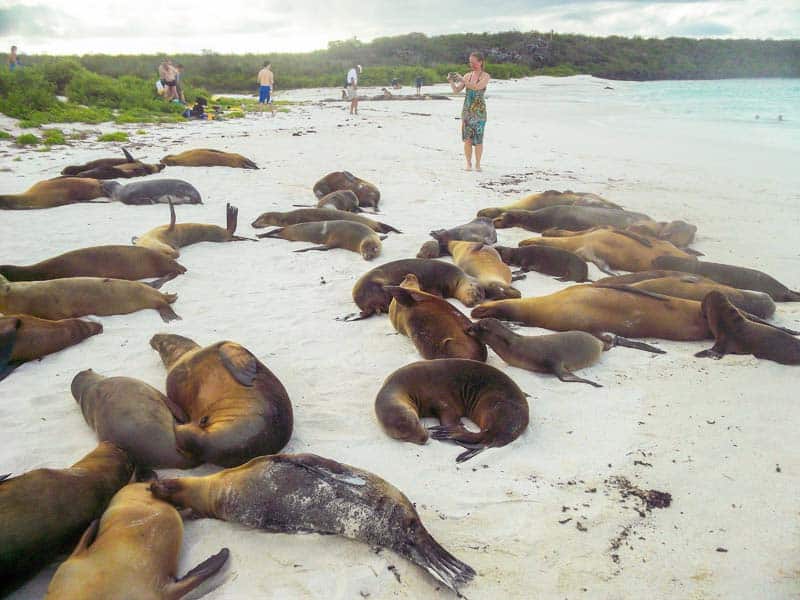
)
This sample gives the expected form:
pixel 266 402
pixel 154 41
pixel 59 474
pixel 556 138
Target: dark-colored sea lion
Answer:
pixel 133 416
pixel 563 264
pixel 480 229
pixel 309 215
pixel 131 552
pixel 168 238
pixel 153 191
pixel 54 192
pixel 99 163
pixel 482 262
pixel 43 512
pixel 345 200
pixel 293 493
pixel 622 310
pixel 734 333
pixel 117 262
pixel 435 277
pixel 235 407
pixel 547 199
pixel 679 233
pixel 734 276
pixel 574 218
pixel 78 296
pixel 449 389
pixel 332 234
pixel 429 249
pixel 123 171
pixel 205 157
pixel 368 194
pixel 436 327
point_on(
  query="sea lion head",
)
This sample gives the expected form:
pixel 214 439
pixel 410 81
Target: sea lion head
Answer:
pixel 109 188
pixel 370 248
pixel 471 293
pixel 486 328
pixel 410 282
pixel 156 168
pixel 491 212
pixel 82 381
pixel 503 221
pixel 500 291
pixel 268 218
pixel 429 249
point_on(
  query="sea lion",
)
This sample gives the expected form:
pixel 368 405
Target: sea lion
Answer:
pixel 622 310
pixel 429 249
pixel 292 493
pixel 99 163
pixel 235 407
pixel 368 194
pixel 480 229
pixel 332 234
pixel 153 191
pixel 484 264
pixel 117 262
pixel 679 233
pixel 34 338
pixel 734 333
pixel 168 238
pixel 574 218
pixel 738 277
pixel 547 199
pixel 449 389
pixel 436 327
pixel 611 248
pixel 435 277
pixel 131 552
pixel 563 264
pixel 345 200
pixel 78 296
pixel 54 192
pixel 123 171
pixel 309 215
pixel 205 157
pixel 133 416
pixel 43 512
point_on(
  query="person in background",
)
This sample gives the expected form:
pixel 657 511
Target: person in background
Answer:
pixel 352 88
pixel 167 74
pixel 418 82
pixel 473 114
pixel 266 83
pixel 13 59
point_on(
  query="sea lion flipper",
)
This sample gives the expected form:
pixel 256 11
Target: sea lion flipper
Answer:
pixel 320 248
pixel 171 215
pixel 471 453
pixel 710 353
pixel 271 233
pixel 128 155
pixel 624 342
pixel 568 376
pixel 384 228
pixel 402 295
pixel 4 476
pixel 753 318
pixel 194 578
pixel 87 538
pixel 519 274
pixel 157 283
pixel 232 216
pixel 239 362
pixel 8 336
pixel 167 314
pixel 632 290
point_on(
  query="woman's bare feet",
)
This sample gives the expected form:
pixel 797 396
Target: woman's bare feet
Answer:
pixel 468 167
pixel 477 167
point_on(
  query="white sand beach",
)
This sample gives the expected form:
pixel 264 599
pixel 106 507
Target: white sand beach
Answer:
pixel 547 516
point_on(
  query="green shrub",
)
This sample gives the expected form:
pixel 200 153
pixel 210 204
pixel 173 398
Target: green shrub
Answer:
pixel 117 136
pixel 53 136
pixel 4 135
pixel 27 139
pixel 23 91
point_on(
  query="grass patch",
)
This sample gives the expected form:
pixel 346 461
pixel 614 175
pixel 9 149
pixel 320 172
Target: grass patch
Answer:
pixel 27 139
pixel 141 131
pixel 117 136
pixel 53 136
pixel 4 135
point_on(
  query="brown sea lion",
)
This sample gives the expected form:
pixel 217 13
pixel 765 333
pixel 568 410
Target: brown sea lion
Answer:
pixel 332 234
pixel 622 310
pixel 131 552
pixel 449 389
pixel 734 333
pixel 54 192
pixel 480 229
pixel 345 200
pixel 168 238
pixel 309 215
pixel 563 264
pixel 235 407
pixel 679 233
pixel 429 249
pixel 734 276
pixel 133 416
pixel 574 218
pixel 43 512
pixel 547 199
pixel 121 171
pixel 435 277
pixel 368 194
pixel 436 327
pixel 205 157
pixel 484 264
pixel 117 262
pixel 79 296
pixel 293 493
pixel 99 163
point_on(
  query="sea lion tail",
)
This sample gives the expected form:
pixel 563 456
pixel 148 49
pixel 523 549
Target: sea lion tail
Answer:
pixel 273 233
pixel 197 576
pixel 443 566
pixel 232 216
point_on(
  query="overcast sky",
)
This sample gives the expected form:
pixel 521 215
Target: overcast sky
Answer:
pixel 263 26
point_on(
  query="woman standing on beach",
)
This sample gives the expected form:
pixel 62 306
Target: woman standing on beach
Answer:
pixel 473 115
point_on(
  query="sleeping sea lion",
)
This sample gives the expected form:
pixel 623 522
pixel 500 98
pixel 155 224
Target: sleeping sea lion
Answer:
pixel 679 233
pixel 567 217
pixel 138 530
pixel 429 249
pixel 293 493
pixel 235 407
pixel 332 234
pixel 204 157
pixel 368 194
pixel 54 192
pixel 484 264
pixel 563 264
pixel 309 215
pixel 449 389
pixel 123 171
pixel 153 191
pixel 480 229
pixel 547 199
pixel 99 163
pixel 345 200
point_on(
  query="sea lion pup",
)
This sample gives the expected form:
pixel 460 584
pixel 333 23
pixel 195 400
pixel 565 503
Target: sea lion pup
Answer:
pixel 168 238
pixel 34 338
pixel 480 229
pixel 43 512
pixel 73 170
pixel 563 264
pixel 79 296
pixel 309 215
pixel 235 407
pixel 436 327
pixel 429 249
pixel 136 529
pixel 738 277
pixel 368 194
pixel 133 416
pixel 574 218
pixel 484 264
pixel 345 200
pixel 205 157
pixel 54 192
pixel 332 234
pixel 550 198
pixel 434 276
pixel 449 389
pixel 734 333
pixel 622 310
pixel 611 248
pixel 117 262
pixel 153 191
pixel 292 493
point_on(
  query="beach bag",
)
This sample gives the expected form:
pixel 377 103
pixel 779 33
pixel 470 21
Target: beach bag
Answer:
pixel 159 87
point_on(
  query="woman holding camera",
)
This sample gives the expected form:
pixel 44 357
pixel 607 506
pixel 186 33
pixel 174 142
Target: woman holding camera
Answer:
pixel 473 115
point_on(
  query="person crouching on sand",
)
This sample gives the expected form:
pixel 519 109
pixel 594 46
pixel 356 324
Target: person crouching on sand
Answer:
pixel 473 114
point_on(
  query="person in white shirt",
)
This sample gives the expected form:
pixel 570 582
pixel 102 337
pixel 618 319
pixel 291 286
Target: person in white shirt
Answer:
pixel 352 88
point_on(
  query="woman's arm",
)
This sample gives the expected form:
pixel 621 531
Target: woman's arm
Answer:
pixel 481 84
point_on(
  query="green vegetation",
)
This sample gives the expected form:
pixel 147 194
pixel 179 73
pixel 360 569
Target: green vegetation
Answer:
pixel 4 135
pixel 53 136
pixel 117 136
pixel 27 139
